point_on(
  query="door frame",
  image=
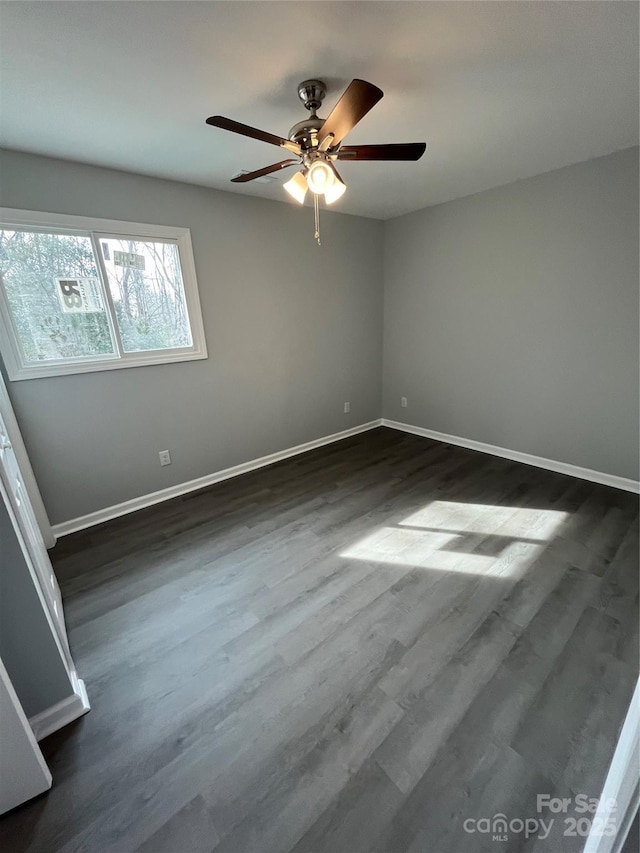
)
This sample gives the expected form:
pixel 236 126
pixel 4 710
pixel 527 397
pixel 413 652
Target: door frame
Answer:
pixel 620 797
pixel 26 471
pixel 76 703
pixel 27 774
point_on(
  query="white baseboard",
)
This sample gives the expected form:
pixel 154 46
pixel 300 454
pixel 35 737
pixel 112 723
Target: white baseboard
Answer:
pixel 98 517
pixel 517 456
pixel 51 719
pixel 144 501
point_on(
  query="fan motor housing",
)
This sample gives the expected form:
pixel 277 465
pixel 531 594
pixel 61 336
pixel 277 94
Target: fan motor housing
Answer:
pixel 305 132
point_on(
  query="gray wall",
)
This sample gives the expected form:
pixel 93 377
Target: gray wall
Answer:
pixel 27 645
pixel 511 316
pixel 293 331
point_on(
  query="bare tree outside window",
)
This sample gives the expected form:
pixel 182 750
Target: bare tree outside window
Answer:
pixel 148 295
pixel 79 295
pixel 29 265
pixel 144 280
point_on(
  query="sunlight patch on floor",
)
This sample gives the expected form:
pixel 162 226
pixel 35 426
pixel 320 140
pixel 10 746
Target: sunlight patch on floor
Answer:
pixel 516 522
pixel 436 537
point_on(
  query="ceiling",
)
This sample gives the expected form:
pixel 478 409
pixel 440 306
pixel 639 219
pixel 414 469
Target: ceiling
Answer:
pixel 498 90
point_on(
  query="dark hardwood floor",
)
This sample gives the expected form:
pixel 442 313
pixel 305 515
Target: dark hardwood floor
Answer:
pixel 357 649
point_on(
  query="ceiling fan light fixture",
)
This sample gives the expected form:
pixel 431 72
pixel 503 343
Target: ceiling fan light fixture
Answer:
pixel 297 187
pixel 320 177
pixel 335 191
pixel 317 143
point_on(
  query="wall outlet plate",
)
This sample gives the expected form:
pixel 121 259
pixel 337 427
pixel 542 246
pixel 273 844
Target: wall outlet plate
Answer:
pixel 165 458
pixel 347 408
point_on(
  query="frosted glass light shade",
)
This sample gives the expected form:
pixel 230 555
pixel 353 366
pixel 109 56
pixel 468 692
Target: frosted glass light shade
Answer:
pixel 297 187
pixel 335 191
pixel 319 177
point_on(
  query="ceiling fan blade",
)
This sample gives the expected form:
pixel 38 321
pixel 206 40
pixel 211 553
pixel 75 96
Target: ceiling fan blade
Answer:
pixel 395 151
pixel 356 101
pixel 250 176
pixel 245 130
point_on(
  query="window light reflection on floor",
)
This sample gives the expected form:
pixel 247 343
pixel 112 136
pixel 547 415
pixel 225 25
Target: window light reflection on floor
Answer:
pixel 436 536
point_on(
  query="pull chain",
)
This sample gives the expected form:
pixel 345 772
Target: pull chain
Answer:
pixel 316 213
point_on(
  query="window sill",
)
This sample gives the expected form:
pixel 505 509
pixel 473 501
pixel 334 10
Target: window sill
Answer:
pixel 49 371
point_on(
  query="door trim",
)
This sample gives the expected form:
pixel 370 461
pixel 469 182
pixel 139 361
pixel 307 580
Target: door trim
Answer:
pixel 26 471
pixel 63 712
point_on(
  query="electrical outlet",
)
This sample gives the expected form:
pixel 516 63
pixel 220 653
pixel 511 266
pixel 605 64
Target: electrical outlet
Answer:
pixel 403 402
pixel 165 457
pixel 347 408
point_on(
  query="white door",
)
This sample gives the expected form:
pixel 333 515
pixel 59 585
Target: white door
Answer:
pixel 12 479
pixel 24 771
pixel 12 430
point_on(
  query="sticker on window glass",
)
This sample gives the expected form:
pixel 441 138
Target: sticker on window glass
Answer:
pixel 79 295
pixel 128 259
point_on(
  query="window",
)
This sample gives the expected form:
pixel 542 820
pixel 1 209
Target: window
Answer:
pixel 80 294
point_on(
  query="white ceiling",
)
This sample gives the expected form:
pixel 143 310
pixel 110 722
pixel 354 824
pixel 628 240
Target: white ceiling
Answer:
pixel 499 90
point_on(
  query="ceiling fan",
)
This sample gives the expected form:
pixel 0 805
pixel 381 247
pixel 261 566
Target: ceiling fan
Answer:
pixel 317 143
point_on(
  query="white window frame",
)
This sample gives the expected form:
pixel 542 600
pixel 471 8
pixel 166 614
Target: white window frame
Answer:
pixel 18 368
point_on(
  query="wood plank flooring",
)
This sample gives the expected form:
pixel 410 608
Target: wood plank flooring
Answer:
pixel 357 649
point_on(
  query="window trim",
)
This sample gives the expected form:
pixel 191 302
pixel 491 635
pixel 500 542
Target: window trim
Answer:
pixel 14 361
